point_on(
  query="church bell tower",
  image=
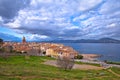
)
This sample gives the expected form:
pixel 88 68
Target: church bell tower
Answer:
pixel 23 40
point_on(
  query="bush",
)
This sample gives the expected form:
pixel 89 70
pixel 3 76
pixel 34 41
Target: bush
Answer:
pixel 65 63
pixel 109 62
pixel 48 55
pixel 79 57
pixel 19 52
pixel 2 50
pixel 1 42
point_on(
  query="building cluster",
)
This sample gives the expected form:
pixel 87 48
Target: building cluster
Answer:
pixel 34 48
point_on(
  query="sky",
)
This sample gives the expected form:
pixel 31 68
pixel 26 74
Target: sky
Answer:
pixel 40 20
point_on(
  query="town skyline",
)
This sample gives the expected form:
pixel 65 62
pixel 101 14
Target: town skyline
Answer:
pixel 45 20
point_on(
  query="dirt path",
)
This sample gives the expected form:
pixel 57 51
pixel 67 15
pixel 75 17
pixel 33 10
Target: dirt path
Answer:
pixel 76 66
pixel 113 72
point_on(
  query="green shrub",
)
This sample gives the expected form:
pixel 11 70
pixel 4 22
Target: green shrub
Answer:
pixel 2 50
pixel 48 55
pixel 79 57
pixel 109 62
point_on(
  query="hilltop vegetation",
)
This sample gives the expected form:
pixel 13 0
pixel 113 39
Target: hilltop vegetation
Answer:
pixel 1 41
pixel 32 68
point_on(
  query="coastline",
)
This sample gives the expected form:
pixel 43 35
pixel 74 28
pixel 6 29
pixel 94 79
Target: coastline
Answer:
pixel 90 56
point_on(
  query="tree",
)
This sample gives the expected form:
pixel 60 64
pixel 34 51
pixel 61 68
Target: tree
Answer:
pixel 65 63
pixel 1 42
pixel 8 49
pixel 79 57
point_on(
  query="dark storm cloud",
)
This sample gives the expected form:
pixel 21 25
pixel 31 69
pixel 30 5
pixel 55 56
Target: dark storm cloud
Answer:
pixel 9 8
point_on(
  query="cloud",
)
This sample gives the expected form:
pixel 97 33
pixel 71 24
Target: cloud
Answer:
pixel 1 20
pixel 110 6
pixel 62 19
pixel 88 4
pixel 9 8
pixel 36 37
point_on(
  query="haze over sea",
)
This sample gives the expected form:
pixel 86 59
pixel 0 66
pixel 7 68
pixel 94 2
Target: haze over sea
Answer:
pixel 109 51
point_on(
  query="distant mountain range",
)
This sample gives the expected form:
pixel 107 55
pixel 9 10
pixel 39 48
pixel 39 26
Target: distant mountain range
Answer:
pixel 102 40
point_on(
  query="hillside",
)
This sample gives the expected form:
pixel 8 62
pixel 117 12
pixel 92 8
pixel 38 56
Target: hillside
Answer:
pixel 102 40
pixel 32 68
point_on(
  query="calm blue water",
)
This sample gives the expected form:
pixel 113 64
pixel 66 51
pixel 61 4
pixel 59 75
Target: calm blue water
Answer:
pixel 109 51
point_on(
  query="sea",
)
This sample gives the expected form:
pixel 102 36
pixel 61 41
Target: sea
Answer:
pixel 108 51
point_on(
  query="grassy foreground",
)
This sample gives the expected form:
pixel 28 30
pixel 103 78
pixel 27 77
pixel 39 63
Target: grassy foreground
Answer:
pixel 31 68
